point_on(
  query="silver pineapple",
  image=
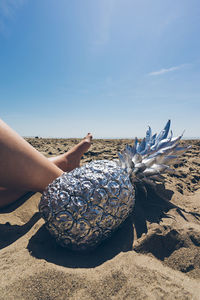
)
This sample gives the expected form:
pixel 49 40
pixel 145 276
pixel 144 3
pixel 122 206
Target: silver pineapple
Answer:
pixel 83 207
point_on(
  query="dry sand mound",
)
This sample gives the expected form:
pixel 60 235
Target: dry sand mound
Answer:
pixel 154 255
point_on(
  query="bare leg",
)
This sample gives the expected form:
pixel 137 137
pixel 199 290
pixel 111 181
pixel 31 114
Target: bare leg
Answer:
pixel 71 159
pixel 24 169
pixel 21 166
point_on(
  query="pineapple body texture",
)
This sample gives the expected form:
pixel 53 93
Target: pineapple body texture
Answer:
pixel 83 207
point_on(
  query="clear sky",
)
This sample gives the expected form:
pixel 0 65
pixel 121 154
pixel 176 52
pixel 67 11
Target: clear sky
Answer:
pixel 110 67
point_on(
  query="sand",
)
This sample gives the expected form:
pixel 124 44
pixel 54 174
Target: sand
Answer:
pixel 155 255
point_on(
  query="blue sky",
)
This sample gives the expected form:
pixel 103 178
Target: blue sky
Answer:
pixel 110 67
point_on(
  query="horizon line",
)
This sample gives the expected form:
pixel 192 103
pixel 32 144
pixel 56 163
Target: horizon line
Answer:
pixel 102 138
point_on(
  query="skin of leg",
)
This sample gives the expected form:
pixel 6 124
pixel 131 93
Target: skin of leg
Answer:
pixel 21 166
pixel 71 159
pixel 16 186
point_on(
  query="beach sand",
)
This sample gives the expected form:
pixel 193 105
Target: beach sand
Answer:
pixel 154 255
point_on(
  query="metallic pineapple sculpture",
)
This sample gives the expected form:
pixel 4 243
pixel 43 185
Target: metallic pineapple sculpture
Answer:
pixel 83 207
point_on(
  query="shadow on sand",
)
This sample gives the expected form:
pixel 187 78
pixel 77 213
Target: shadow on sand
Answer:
pixel 10 233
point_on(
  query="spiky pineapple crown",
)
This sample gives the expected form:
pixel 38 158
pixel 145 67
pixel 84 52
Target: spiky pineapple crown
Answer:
pixel 146 161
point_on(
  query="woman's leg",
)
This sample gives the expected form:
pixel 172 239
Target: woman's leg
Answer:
pixel 23 168
pixel 71 159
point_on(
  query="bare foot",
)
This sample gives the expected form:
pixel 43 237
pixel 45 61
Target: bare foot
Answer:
pixel 71 159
